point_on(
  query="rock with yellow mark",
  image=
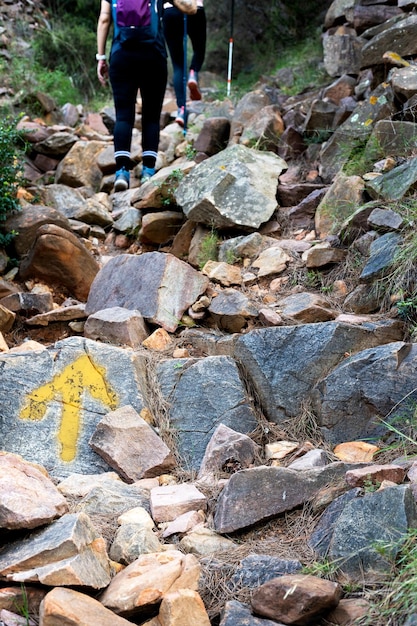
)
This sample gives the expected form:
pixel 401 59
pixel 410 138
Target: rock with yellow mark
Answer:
pixel 338 149
pixel 401 34
pixel 28 498
pixel 67 552
pixel 63 393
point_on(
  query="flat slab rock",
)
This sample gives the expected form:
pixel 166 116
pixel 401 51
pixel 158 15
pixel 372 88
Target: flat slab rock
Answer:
pixel 159 286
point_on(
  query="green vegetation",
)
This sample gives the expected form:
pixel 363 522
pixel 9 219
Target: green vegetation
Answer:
pixel 208 249
pixel 169 186
pixel 399 286
pixel 10 173
pixel 66 51
pixel 361 156
pixel 301 61
pixel 60 61
pixel 22 607
pixel 393 602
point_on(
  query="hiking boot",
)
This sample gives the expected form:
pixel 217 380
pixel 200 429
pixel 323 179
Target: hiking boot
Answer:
pixel 180 119
pixel 122 180
pixel 195 93
pixel 147 173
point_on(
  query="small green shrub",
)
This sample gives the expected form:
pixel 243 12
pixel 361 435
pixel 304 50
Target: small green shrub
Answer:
pixel 10 172
pixel 208 249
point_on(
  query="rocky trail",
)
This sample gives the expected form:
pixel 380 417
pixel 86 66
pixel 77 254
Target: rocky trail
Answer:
pixel 208 381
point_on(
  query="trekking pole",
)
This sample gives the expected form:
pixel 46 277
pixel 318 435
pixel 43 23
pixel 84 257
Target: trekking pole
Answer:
pixel 184 74
pixel 230 58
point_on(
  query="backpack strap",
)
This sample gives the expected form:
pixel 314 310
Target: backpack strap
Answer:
pixel 113 15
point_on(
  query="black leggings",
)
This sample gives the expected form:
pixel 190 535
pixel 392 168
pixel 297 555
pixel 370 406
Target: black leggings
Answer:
pixel 129 72
pixel 174 37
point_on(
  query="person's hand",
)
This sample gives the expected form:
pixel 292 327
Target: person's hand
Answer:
pixel 103 72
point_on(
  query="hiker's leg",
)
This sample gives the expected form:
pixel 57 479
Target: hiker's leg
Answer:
pixel 153 79
pixel 197 30
pixel 124 87
pixel 174 37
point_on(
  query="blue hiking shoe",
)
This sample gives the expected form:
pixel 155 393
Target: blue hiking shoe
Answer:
pixel 122 180
pixel 180 119
pixel 195 93
pixel 147 173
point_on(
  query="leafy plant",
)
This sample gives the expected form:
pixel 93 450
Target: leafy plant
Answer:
pixel 11 172
pixel 169 186
pixel 190 152
pixel 407 309
pixel 370 486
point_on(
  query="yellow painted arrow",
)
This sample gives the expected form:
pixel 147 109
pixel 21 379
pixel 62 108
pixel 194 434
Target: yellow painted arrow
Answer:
pixel 69 387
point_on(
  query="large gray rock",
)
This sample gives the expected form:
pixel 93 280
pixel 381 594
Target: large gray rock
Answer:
pixel 353 399
pixel 275 490
pixel 159 286
pixel 393 185
pixel 236 187
pixel 285 363
pixel 342 51
pixel 362 526
pixel 355 130
pixel 202 394
pixel 400 36
pixel 382 255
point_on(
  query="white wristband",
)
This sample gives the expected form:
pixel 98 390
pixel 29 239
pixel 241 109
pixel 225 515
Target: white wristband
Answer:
pixel 100 57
